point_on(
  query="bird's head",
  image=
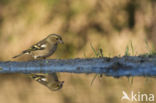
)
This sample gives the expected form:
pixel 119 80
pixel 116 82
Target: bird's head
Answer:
pixel 55 38
pixel 56 86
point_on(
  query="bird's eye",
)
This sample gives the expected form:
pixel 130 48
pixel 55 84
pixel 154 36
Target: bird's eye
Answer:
pixel 56 38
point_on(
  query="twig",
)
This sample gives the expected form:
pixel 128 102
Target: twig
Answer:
pixel 123 66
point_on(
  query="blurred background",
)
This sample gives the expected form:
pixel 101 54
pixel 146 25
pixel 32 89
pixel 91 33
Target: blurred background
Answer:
pixel 115 26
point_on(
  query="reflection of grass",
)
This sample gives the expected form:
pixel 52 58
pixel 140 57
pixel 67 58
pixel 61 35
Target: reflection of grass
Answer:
pixel 98 54
pixel 128 53
pixel 130 80
pixel 151 52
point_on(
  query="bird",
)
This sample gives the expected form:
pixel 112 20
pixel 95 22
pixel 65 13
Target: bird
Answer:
pixel 42 50
pixel 51 81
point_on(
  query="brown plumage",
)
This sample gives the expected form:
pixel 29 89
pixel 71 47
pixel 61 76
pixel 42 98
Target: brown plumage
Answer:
pixel 51 81
pixel 43 48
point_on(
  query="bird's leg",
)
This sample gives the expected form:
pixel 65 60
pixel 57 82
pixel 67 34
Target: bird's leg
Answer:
pixel 45 59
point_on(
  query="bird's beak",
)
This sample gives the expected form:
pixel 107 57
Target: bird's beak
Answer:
pixel 61 42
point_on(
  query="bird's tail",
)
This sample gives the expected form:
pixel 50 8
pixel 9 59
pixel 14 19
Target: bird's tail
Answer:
pixel 17 55
pixel 24 52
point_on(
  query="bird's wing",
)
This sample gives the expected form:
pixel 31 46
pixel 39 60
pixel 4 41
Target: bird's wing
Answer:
pixel 52 77
pixel 38 46
pixel 41 45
